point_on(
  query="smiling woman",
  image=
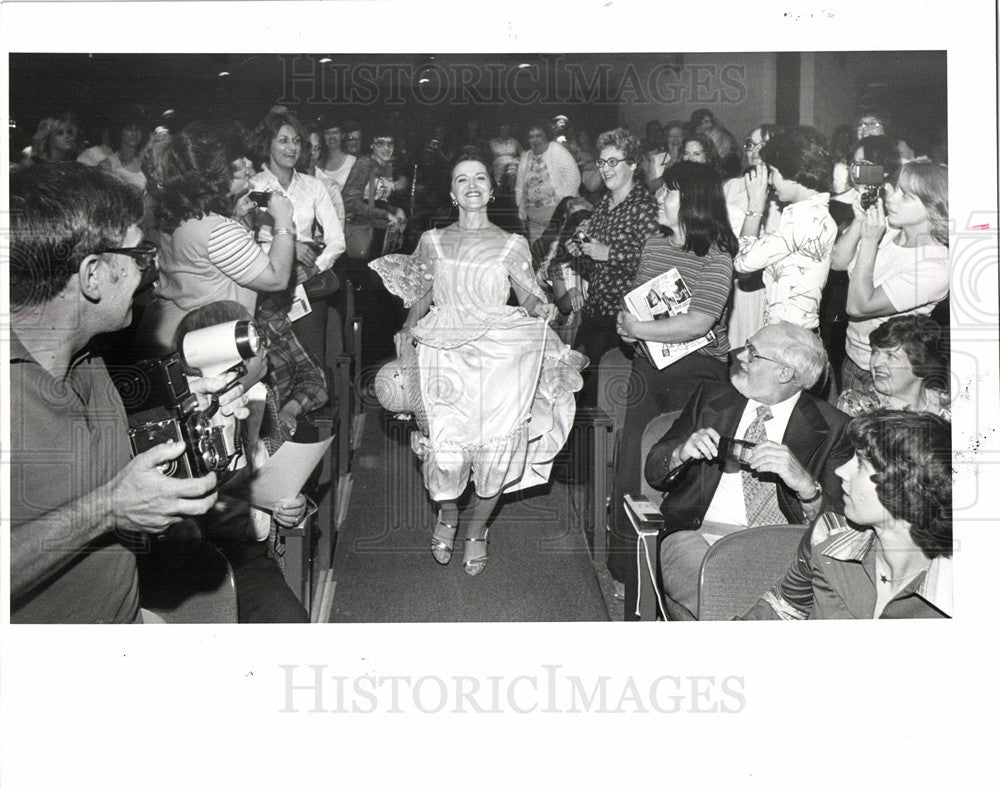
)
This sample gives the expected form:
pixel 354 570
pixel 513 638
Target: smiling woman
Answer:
pixel 495 383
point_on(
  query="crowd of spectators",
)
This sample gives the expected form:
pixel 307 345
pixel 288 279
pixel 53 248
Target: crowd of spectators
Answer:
pixel 779 241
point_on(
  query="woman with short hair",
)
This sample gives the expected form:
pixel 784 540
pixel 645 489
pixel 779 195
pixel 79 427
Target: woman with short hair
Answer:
pixel 608 256
pixel 908 370
pixel 889 555
pixel 546 173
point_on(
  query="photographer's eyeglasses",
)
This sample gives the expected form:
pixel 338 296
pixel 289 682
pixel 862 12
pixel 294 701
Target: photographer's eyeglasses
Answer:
pixel 752 354
pixel 144 254
pixel 612 162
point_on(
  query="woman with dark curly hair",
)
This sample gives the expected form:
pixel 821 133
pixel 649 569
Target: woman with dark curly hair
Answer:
pixel 891 556
pixel 908 370
pixel 276 146
pixel 199 188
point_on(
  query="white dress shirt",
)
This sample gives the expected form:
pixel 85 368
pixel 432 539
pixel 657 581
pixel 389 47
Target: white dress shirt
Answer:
pixel 312 203
pixel 728 506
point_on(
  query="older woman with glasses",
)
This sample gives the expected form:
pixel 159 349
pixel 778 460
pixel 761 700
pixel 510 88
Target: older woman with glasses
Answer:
pixel 608 255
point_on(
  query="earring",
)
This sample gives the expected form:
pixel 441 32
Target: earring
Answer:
pixel 493 197
pixel 454 201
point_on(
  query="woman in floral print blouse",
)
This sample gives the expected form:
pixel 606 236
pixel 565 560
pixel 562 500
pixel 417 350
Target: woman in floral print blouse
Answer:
pixel 608 255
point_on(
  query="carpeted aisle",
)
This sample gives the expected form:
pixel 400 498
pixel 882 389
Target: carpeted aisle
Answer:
pixel 539 568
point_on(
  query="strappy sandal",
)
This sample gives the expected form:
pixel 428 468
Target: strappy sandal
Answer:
pixel 440 549
pixel 474 566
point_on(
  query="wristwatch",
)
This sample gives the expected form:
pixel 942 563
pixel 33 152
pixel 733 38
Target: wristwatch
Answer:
pixel 816 494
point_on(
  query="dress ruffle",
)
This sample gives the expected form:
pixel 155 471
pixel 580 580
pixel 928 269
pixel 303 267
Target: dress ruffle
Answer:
pixel 404 276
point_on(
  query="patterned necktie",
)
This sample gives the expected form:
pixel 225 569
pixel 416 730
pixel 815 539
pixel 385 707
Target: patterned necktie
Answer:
pixel 760 497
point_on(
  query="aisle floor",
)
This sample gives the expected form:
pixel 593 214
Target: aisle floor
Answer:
pixel 540 568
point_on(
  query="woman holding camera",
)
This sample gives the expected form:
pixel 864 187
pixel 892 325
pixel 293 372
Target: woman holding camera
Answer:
pixel 608 254
pixel 900 271
pixel 277 145
pixel 199 186
pixel 495 383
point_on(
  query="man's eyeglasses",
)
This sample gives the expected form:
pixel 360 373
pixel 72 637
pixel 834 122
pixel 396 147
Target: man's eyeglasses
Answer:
pixel 612 162
pixel 750 145
pixel 383 143
pixel 752 354
pixel 144 254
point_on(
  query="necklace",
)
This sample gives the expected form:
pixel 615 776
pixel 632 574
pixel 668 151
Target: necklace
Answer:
pixel 884 572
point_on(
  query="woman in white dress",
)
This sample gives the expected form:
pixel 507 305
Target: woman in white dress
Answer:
pixel 496 384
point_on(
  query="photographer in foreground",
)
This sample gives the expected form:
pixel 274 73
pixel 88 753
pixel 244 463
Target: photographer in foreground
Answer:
pixel 784 475
pixel 77 497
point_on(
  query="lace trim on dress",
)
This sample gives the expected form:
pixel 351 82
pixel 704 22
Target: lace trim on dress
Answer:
pixel 404 276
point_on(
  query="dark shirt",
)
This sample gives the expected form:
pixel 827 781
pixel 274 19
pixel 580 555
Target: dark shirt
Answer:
pixel 624 229
pixel 68 438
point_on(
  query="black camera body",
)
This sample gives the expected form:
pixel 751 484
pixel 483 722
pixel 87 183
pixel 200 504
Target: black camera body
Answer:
pixel 161 408
pixel 260 199
pixel 872 178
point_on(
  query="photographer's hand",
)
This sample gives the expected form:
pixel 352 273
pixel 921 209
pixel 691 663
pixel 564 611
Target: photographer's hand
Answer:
pixel 596 250
pixel 282 210
pixel 757 188
pixel 142 498
pixel 232 403
pixel 244 205
pixel 873 225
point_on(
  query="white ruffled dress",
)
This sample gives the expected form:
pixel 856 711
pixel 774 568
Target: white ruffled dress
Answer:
pixel 496 384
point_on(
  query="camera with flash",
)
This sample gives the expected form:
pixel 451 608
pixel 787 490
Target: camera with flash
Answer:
pixel 161 407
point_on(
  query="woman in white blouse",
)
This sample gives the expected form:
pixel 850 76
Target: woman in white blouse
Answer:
pixel 277 143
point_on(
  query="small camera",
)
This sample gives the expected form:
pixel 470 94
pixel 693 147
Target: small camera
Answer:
pixel 260 199
pixel 734 450
pixel 160 408
pixel 872 178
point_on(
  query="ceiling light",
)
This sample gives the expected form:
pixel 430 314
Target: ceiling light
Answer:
pixel 223 73
pixel 326 60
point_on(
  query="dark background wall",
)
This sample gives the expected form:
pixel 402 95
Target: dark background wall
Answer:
pixel 597 91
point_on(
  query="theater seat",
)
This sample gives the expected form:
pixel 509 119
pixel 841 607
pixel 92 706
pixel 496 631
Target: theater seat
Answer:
pixel 741 567
pixel 736 571
pixel 193 585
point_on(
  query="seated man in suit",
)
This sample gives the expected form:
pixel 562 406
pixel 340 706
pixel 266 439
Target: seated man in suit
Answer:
pixel 786 477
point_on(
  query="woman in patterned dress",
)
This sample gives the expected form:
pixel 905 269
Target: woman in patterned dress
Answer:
pixel 496 384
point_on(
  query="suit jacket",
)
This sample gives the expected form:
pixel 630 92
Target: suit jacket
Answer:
pixel 815 435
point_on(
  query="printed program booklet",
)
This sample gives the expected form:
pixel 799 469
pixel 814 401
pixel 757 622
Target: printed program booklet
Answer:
pixel 663 297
